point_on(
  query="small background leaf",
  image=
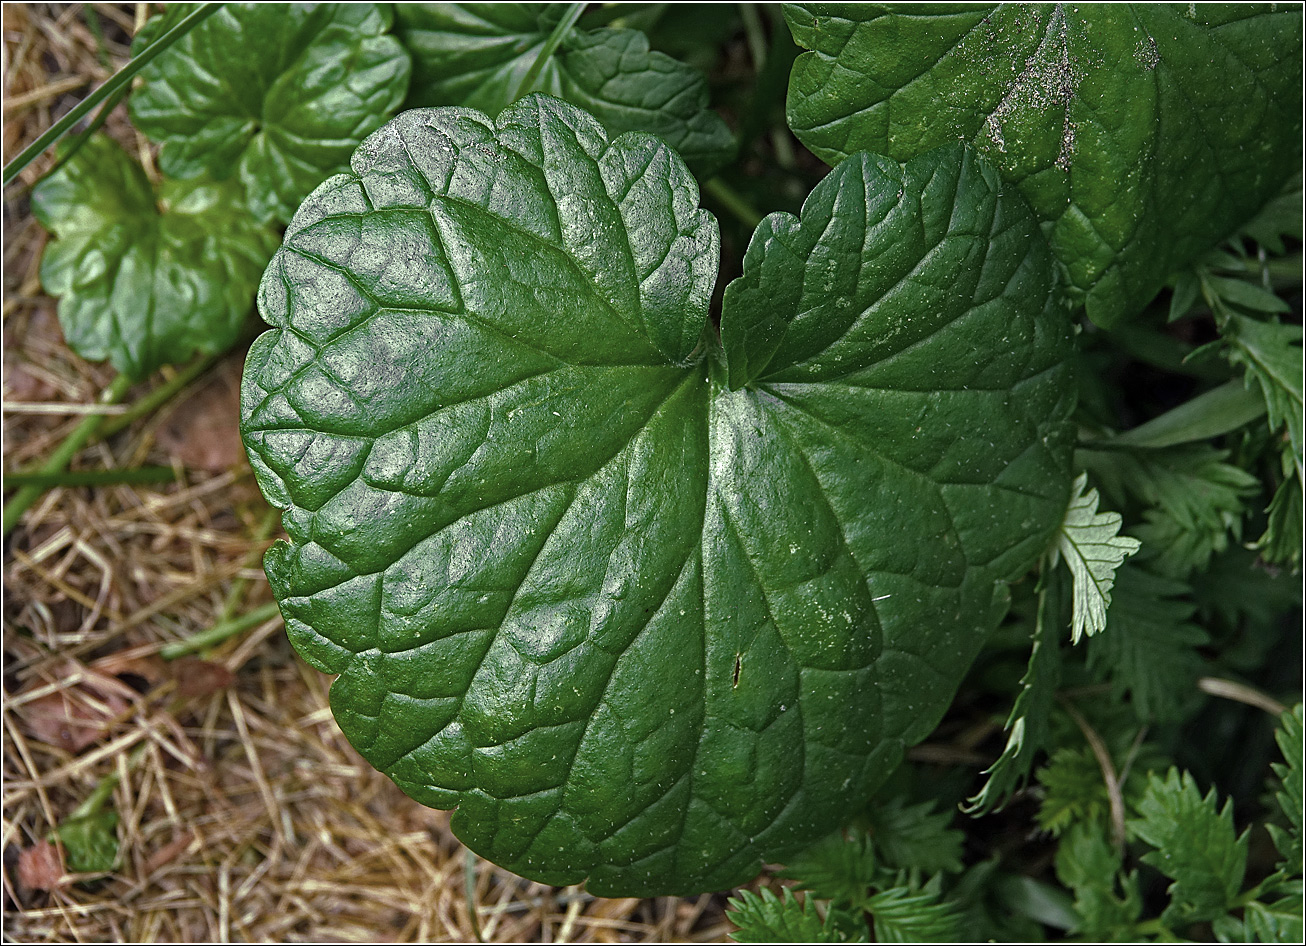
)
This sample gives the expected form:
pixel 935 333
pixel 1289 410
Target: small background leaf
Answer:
pixel 146 279
pixel 1090 543
pixel 1196 846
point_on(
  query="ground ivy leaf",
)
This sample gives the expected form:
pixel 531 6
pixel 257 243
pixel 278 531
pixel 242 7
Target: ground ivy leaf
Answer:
pixel 278 94
pixel 478 54
pixel 91 842
pixel 146 278
pixel 636 626
pixel 1090 543
pixel 1142 135
pixel 1196 847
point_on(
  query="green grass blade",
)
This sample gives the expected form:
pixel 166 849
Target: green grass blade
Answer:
pixel 132 475
pixel 119 80
pixel 1216 412
pixel 551 44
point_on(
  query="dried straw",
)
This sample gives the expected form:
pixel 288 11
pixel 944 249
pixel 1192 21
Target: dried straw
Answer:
pixel 244 812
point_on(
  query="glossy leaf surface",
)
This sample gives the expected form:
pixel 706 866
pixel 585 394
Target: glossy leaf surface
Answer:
pixel 278 94
pixel 638 625
pixel 144 278
pixel 478 55
pixel 1141 134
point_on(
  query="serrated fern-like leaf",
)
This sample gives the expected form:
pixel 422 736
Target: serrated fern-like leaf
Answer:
pixel 765 918
pixel 1107 902
pixel 1093 548
pixel 1279 921
pixel 1271 353
pixel 1196 846
pixel 916 837
pixel 841 867
pixel 904 914
pixel 1290 796
pixel 1150 648
pixel 1028 723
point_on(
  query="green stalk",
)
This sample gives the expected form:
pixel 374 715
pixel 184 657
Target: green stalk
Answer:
pixel 219 632
pixel 550 46
pixel 160 395
pixel 63 454
pixel 140 474
pixel 92 20
pixel 96 800
pixel 119 80
pixel 754 35
pixel 85 135
pixel 239 585
pixel 731 200
pixel 469 888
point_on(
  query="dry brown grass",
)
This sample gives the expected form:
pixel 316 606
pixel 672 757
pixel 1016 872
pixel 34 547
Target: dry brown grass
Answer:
pixel 244 812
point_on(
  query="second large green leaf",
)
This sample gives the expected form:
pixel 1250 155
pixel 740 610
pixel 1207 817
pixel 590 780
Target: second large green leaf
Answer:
pixel 146 276
pixel 1142 134
pixel 478 54
pixel 278 94
pixel 648 609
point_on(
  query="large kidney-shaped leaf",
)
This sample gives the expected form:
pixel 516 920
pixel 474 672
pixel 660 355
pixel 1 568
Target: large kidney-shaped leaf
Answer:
pixel 145 278
pixel 478 54
pixel 280 94
pixel 1140 134
pixel 641 625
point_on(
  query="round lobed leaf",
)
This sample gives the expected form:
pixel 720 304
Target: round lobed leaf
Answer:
pixel 278 94
pixel 1141 134
pixel 146 279
pixel 478 54
pixel 640 626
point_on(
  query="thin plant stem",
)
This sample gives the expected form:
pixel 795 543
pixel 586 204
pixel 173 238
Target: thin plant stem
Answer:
pixel 550 46
pixel 119 80
pixel 1115 796
pixel 58 461
pixel 754 35
pixel 219 632
pixel 469 888
pixel 161 395
pixel 1241 693
pixel 237 593
pixel 109 105
pixel 731 200
pixel 134 475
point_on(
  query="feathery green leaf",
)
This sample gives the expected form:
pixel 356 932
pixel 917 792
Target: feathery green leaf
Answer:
pixel 1090 543
pixel 766 918
pixel 1149 648
pixel 1196 844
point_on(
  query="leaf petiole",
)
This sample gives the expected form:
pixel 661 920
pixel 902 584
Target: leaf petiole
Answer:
pixel 220 632
pixel 550 46
pixel 731 200
pixel 141 474
pixel 63 454
pixel 159 396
